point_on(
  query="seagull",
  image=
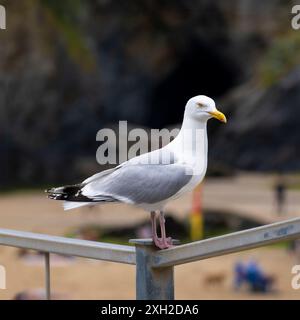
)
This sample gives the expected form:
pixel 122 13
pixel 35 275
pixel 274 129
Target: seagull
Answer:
pixel 152 179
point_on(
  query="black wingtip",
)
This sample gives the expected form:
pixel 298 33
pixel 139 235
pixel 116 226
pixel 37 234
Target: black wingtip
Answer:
pixel 71 193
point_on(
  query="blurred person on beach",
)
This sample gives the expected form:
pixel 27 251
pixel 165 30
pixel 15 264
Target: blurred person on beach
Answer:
pixel 257 279
pixel 280 195
pixel 252 274
pixel 239 275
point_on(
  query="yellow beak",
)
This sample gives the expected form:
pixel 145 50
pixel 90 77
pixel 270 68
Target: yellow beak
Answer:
pixel 218 115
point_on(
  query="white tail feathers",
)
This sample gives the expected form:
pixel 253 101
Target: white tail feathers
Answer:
pixel 68 205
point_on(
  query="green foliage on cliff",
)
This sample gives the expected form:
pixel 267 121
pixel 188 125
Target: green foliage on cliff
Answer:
pixel 67 18
pixel 281 57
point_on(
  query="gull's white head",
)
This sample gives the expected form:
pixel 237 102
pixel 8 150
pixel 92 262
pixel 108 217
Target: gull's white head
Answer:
pixel 203 108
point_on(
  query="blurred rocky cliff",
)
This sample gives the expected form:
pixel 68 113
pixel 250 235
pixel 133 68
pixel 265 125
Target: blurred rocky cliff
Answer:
pixel 69 68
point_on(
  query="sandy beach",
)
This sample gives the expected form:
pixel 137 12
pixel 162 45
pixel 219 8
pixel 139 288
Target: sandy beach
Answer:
pixel 88 279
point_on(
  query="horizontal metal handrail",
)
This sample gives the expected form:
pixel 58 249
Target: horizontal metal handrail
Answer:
pixel 68 246
pixel 199 250
pixel 230 243
pixel 154 271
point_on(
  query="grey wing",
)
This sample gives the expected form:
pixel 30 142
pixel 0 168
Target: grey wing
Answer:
pixel 140 183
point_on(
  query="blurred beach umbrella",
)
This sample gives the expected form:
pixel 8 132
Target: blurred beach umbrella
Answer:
pixel 196 215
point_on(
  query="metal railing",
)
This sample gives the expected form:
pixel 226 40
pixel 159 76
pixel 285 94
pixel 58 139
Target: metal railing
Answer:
pixel 154 269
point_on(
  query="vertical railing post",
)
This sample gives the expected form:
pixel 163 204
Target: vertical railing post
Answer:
pixel 151 283
pixel 47 276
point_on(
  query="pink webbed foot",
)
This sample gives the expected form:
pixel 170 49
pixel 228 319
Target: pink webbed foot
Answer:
pixel 163 243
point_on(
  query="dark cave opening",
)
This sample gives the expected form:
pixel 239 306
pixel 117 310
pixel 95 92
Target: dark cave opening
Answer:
pixel 202 69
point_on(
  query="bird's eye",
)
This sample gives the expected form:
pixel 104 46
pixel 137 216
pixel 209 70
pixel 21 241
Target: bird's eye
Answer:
pixel 201 105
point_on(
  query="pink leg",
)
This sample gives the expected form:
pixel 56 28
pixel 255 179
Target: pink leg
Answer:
pixel 167 242
pixel 163 242
pixel 153 226
pixel 157 241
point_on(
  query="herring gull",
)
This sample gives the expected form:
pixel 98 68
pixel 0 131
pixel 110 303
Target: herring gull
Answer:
pixel 152 179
